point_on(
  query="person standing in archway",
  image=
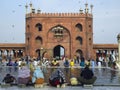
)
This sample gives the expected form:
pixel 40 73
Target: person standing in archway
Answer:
pixel 82 63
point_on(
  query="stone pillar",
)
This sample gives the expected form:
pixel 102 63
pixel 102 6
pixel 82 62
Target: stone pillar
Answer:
pixel 118 62
pixel 41 53
pixel 23 52
pixel 118 37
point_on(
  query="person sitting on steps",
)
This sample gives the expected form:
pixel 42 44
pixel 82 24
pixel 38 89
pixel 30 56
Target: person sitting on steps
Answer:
pixel 57 78
pixel 87 76
pixel 38 77
pixel 23 74
pixel 9 79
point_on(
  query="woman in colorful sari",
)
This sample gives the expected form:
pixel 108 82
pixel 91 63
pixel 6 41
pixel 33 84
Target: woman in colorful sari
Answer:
pixel 38 77
pixel 23 74
pixel 57 78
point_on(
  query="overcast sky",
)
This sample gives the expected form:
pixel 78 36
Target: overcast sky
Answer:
pixel 106 17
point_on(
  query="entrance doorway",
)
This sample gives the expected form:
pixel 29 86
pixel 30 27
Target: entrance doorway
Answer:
pixel 58 52
pixel 79 53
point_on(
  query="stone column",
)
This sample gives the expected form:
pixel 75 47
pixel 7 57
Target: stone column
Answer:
pixel 118 62
pixel 23 51
pixel 118 37
pixel 41 53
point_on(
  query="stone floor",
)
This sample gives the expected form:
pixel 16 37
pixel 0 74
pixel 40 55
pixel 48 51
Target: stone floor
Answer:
pixel 66 88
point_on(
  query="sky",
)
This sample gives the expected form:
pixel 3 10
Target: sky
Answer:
pixel 106 17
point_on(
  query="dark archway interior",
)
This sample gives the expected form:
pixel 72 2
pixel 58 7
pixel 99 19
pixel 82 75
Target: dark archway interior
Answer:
pixel 58 52
pixel 79 53
pixel 38 53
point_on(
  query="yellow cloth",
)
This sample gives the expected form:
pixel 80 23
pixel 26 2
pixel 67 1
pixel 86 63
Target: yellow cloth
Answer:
pixel 73 81
pixel 72 63
pixel 31 67
pixel 55 63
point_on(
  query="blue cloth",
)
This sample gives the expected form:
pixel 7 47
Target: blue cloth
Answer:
pixel 37 74
pixel 66 63
pixel 82 64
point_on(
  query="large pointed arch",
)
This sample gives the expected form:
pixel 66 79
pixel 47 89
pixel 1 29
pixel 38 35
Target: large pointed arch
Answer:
pixel 64 38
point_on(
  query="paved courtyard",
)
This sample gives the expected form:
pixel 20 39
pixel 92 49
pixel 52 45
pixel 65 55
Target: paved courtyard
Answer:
pixel 66 88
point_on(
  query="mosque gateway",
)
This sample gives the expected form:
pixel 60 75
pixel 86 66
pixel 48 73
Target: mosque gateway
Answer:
pixel 54 35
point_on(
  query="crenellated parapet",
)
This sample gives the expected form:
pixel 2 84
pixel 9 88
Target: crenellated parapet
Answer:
pixel 57 15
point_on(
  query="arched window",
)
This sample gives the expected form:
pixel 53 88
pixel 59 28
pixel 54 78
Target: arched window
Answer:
pixel 79 27
pixel 38 40
pixel 28 27
pixel 39 27
pixel 58 31
pixel 90 41
pixel 80 40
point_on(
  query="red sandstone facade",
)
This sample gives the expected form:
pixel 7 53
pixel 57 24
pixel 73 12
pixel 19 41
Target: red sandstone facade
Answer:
pixel 71 31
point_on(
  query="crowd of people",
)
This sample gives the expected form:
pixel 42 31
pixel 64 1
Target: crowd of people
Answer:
pixel 31 71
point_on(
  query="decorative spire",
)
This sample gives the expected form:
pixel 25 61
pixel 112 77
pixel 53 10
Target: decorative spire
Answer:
pixel 81 11
pixel 33 10
pixel 91 6
pixel 26 6
pixel 31 7
pixel 86 8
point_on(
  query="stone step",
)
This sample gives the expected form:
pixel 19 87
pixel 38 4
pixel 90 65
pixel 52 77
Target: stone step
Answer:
pixel 88 86
pixel 21 85
pixel 5 85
